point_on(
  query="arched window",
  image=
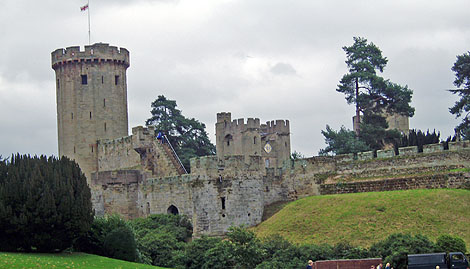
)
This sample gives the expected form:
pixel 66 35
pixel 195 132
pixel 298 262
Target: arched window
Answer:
pixel 227 139
pixel 172 210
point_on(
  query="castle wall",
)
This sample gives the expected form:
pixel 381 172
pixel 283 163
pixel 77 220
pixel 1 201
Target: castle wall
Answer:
pixel 433 181
pixel 234 191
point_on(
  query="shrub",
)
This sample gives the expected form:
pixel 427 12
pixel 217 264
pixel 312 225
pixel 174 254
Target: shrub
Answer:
pixel 93 241
pixel 448 243
pixel 45 204
pixel 394 248
pixel 195 250
pixel 120 244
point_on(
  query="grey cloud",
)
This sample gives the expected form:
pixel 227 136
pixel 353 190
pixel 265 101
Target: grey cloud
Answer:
pixel 283 69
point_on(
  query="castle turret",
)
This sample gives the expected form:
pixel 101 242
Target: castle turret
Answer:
pixel 271 141
pixel 91 89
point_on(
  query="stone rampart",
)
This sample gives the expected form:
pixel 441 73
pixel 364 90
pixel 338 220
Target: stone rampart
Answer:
pixel 431 181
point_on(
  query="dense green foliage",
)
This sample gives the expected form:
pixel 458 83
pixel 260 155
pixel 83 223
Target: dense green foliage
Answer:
pixel 461 108
pixel 188 136
pixel 45 204
pixel 396 246
pixel 160 236
pixel 449 243
pixel 103 231
pixel 342 142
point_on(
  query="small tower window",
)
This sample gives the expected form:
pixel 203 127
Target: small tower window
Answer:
pixel 116 80
pixel 72 115
pixel 102 79
pixel 104 102
pixel 84 80
pixel 254 140
pixel 92 148
pixel 74 149
pixel 90 114
pixel 105 126
pixel 58 84
pixel 222 199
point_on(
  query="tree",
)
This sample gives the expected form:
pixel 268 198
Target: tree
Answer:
pixel 461 108
pixel 45 204
pixel 342 142
pixel 187 136
pixel 371 94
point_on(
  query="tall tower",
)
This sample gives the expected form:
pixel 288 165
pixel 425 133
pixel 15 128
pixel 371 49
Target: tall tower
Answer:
pixel 91 91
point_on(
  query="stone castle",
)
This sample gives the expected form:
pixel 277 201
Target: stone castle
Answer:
pixel 137 175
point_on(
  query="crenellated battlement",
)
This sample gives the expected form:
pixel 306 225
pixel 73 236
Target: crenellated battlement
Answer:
pixel 278 126
pixel 98 53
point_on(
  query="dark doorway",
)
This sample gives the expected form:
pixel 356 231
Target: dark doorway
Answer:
pixel 172 210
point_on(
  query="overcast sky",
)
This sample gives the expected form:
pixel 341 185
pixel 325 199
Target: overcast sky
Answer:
pixel 269 59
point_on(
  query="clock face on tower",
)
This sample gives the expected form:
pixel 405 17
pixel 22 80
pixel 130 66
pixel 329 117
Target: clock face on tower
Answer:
pixel 267 148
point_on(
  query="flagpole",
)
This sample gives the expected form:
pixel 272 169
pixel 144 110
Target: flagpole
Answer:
pixel 89 31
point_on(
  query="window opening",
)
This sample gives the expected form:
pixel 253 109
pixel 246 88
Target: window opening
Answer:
pixel 90 114
pixel 254 140
pixel 222 199
pixel 58 84
pixel 102 79
pixel 72 115
pixel 116 80
pixel 84 80
pixel 105 126
pixel 104 102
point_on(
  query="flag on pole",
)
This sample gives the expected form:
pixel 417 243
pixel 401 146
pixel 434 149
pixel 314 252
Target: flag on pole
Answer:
pixel 85 7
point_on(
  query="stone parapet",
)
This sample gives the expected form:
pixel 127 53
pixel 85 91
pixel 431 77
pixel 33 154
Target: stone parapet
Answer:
pixel 98 52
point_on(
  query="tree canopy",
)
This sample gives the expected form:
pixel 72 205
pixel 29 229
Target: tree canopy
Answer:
pixel 374 98
pixel 368 91
pixel 45 204
pixel 342 142
pixel 186 135
pixel 461 108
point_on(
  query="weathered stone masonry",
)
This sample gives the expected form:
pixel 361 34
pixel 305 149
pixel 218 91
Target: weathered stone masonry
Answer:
pixel 135 175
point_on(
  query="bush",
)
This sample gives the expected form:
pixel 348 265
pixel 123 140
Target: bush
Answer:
pixel 394 248
pixel 448 243
pixel 45 204
pixel 93 241
pixel 195 251
pixel 120 244
pixel 159 247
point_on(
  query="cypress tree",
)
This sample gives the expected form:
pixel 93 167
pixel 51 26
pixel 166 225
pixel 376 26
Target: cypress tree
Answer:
pixel 45 204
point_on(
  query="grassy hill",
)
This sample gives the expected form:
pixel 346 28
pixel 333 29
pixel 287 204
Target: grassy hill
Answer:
pixel 365 218
pixel 63 260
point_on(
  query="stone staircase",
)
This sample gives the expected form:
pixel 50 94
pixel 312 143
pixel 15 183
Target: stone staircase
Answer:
pixel 171 154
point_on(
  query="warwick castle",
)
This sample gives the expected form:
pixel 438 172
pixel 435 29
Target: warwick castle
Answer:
pixel 137 175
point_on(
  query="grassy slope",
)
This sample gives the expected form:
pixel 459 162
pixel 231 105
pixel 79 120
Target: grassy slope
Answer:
pixel 365 218
pixel 63 260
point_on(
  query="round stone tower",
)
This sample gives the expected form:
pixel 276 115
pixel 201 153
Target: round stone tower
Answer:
pixel 91 91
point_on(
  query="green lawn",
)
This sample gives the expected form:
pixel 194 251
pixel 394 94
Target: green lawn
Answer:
pixel 365 218
pixel 63 260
